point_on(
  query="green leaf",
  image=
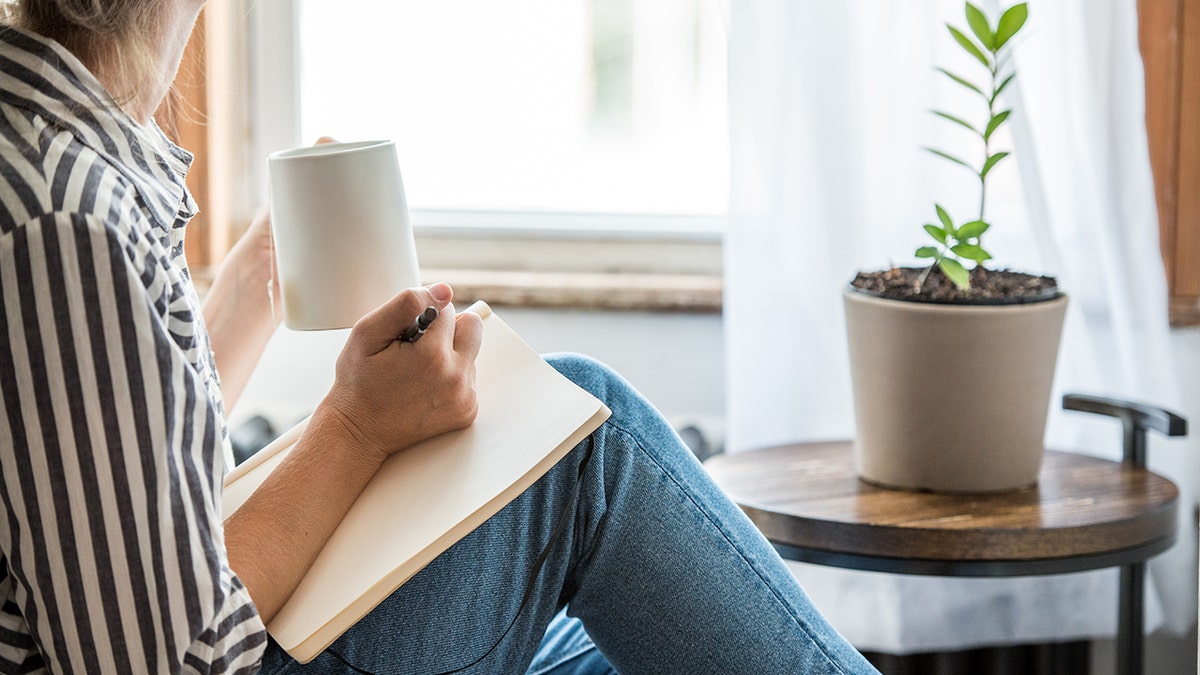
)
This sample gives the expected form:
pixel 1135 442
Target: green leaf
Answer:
pixel 994 123
pixel 972 229
pixel 927 252
pixel 952 158
pixel 979 26
pixel 963 81
pixel 971 47
pixel 955 272
pixel 943 216
pixel 1010 22
pixel 971 252
pixel 1003 84
pixel 991 162
pixel 937 233
pixel 954 119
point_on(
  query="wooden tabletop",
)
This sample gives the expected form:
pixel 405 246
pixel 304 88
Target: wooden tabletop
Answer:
pixel 1084 513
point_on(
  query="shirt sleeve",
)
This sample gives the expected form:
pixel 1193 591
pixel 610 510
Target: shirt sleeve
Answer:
pixel 110 463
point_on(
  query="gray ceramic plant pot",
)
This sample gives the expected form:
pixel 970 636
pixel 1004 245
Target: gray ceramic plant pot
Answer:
pixel 951 398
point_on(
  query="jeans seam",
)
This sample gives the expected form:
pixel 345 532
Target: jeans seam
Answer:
pixel 589 548
pixel 717 525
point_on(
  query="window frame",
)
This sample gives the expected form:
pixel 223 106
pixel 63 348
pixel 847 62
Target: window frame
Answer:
pixel 1169 36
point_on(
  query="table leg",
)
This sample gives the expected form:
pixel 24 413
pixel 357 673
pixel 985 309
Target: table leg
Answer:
pixel 1131 622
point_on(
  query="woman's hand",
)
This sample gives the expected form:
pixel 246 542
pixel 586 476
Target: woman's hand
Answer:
pixel 388 395
pixel 253 258
pixel 242 308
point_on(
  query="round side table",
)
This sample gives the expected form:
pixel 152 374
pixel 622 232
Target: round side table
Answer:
pixel 1085 513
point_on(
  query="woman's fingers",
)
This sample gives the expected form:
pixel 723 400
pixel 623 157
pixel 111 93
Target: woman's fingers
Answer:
pixel 379 329
pixel 468 334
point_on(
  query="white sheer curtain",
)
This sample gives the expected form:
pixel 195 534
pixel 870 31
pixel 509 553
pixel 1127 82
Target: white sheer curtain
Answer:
pixel 829 106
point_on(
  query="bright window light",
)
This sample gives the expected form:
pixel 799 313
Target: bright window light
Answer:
pixel 553 106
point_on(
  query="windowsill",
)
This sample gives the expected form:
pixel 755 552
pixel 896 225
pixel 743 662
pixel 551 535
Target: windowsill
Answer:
pixel 693 293
pixel 576 269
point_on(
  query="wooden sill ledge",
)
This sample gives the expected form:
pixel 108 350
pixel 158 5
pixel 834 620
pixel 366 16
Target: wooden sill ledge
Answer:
pixel 593 291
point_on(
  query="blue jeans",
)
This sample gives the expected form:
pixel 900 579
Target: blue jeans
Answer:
pixel 663 571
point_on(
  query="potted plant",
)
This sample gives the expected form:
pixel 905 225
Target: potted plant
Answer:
pixel 952 362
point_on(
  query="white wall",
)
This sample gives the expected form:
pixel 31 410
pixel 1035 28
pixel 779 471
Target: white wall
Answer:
pixel 675 360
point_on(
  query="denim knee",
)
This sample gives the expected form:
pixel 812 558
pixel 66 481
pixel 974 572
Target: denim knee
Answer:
pixel 634 420
pixel 593 376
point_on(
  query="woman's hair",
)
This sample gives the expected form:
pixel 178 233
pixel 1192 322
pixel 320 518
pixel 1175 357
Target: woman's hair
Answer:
pixel 108 35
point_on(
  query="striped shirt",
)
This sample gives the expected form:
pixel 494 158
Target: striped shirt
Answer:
pixel 112 435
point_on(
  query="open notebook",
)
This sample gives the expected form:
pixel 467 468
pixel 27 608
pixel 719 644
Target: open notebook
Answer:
pixel 429 496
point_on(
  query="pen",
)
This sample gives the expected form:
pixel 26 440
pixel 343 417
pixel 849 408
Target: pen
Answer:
pixel 415 331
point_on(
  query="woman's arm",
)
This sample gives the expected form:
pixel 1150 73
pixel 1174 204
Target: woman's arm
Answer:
pixel 387 395
pixel 237 308
pixel 109 458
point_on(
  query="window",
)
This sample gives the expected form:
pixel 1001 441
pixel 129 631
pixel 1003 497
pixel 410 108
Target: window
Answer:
pixel 569 137
pixel 528 106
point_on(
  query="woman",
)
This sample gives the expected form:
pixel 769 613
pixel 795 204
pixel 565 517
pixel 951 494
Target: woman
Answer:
pixel 113 441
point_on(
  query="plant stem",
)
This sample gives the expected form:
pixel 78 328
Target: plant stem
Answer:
pixel 982 188
pixel 925 275
pixel 987 142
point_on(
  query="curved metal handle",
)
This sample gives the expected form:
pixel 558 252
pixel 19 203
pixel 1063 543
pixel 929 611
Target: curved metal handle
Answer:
pixel 1135 418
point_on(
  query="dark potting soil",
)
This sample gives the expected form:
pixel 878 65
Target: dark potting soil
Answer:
pixel 988 287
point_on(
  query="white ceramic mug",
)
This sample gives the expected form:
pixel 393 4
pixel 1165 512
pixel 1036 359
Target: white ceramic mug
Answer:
pixel 343 240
